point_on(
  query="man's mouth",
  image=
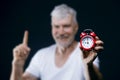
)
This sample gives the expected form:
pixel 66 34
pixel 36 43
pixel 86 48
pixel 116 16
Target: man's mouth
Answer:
pixel 62 37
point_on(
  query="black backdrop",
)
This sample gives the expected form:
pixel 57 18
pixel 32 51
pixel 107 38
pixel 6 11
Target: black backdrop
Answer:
pixel 16 16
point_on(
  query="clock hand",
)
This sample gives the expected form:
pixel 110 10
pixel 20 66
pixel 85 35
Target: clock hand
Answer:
pixel 87 41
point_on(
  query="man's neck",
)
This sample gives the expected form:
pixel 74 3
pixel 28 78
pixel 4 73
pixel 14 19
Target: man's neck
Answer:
pixel 64 50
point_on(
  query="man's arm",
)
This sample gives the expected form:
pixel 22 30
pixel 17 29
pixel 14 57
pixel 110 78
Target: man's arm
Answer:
pixel 91 72
pixel 20 54
pixel 18 74
pixel 94 72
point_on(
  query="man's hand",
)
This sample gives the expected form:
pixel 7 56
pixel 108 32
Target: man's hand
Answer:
pixel 89 56
pixel 21 52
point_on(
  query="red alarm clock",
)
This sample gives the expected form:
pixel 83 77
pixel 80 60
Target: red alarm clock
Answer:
pixel 87 39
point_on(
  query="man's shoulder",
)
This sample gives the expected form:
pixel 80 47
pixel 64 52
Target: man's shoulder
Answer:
pixel 46 49
pixel 43 53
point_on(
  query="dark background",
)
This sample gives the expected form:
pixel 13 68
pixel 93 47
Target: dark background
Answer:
pixel 16 16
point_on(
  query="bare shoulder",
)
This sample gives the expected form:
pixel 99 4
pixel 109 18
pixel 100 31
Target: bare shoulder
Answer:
pixel 28 76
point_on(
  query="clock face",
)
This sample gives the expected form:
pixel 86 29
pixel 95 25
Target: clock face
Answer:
pixel 87 42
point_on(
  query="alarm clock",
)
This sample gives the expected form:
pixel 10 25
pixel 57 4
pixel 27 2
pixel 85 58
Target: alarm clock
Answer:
pixel 87 39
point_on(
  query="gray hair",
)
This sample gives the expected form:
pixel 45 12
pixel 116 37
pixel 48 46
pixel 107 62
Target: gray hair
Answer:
pixel 62 11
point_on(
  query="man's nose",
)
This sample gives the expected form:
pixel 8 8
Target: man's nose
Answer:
pixel 61 30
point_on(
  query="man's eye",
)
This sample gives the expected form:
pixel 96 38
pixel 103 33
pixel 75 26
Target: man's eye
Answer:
pixel 66 26
pixel 56 26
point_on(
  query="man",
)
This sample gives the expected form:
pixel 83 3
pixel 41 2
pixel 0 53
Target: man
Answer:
pixel 61 61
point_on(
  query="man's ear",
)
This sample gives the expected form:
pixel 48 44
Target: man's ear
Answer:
pixel 76 28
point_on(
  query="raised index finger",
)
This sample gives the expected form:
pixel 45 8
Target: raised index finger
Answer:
pixel 25 38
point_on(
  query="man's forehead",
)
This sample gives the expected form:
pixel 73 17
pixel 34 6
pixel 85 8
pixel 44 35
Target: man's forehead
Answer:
pixel 68 18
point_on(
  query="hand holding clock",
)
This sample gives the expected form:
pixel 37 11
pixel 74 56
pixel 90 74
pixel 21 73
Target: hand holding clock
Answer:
pixel 90 45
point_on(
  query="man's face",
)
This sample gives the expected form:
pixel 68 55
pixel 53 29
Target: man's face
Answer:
pixel 64 30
